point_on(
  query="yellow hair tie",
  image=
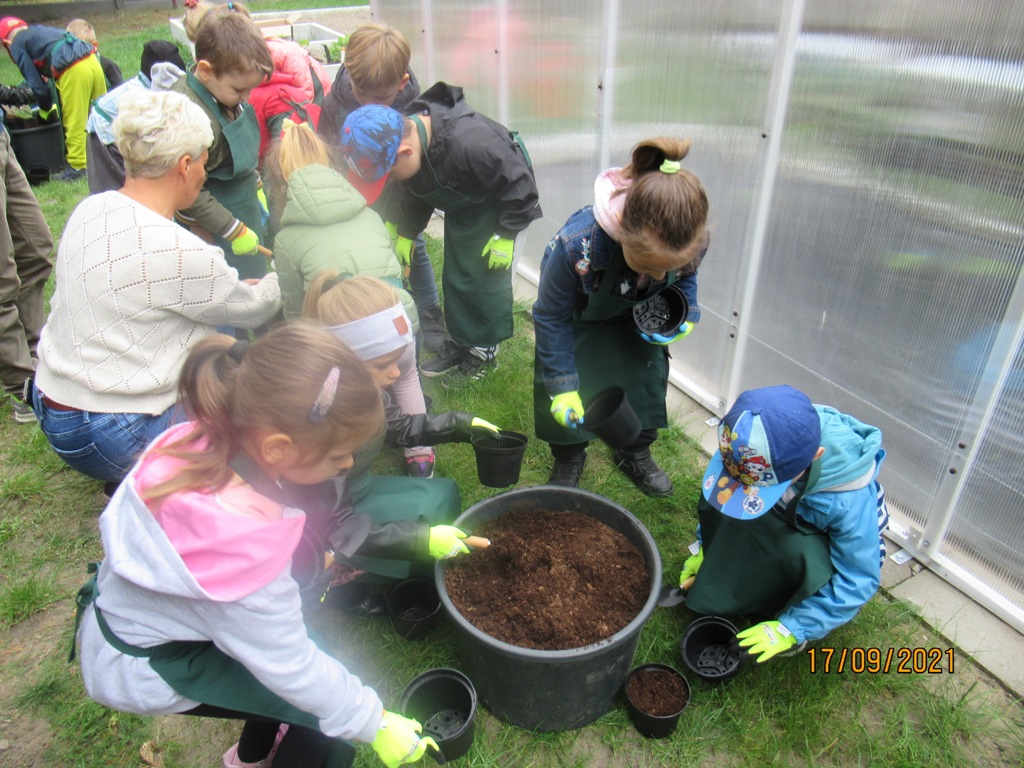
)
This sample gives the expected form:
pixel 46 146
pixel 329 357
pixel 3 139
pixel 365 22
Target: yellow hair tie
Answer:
pixel 288 124
pixel 670 166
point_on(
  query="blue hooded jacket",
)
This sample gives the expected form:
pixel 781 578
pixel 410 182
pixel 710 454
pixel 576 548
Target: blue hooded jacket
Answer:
pixel 845 505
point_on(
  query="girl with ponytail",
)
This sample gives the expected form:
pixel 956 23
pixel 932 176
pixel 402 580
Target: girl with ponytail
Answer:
pixel 640 243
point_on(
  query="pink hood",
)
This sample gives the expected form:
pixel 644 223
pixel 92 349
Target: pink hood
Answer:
pixel 607 205
pixel 233 542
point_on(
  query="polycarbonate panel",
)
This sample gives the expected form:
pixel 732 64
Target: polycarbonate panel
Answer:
pixel 864 164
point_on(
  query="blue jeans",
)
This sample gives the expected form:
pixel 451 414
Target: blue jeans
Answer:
pixel 101 445
pixel 422 283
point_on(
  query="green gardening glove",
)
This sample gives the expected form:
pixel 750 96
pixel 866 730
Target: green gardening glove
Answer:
pixel 398 741
pixel 44 114
pixel 403 250
pixel 498 252
pixel 691 566
pixel 446 542
pixel 567 408
pixel 766 639
pixel 478 423
pixel 244 242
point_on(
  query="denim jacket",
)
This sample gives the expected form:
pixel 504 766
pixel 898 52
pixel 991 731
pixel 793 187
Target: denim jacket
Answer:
pixel 575 257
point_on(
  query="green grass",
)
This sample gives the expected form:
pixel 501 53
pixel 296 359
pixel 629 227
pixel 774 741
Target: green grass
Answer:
pixel 776 714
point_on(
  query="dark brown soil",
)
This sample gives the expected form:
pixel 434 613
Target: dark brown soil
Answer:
pixel 658 692
pixel 549 580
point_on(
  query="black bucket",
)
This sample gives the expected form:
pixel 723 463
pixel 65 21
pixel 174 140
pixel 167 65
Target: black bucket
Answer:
pixel 552 690
pixel 42 145
pixel 709 649
pixel 413 606
pixel 662 314
pixel 443 701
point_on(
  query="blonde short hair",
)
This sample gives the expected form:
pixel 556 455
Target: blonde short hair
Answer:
pixel 377 56
pixel 83 30
pixel 155 129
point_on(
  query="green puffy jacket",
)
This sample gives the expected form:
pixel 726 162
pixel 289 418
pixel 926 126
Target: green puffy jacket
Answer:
pixel 326 224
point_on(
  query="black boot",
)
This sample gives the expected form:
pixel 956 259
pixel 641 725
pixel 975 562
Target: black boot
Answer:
pixel 646 475
pixel 566 471
pixel 432 328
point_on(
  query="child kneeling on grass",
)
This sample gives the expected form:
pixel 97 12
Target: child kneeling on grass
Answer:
pixel 194 609
pixel 791 520
pixel 366 314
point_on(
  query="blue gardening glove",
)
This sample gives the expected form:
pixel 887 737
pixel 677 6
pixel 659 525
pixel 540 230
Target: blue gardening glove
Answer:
pixel 398 741
pixel 478 423
pixel 446 542
pixel 690 568
pixel 567 408
pixel 244 242
pixel 498 252
pixel 264 210
pixel 657 338
pixel 766 639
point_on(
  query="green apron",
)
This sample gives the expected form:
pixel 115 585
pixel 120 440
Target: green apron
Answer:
pixel 760 566
pixel 387 498
pixel 477 300
pixel 609 353
pixel 234 185
pixel 200 671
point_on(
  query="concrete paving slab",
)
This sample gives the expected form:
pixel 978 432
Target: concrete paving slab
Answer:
pixel 992 643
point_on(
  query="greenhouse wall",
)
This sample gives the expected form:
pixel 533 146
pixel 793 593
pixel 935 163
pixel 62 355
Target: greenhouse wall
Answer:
pixel 864 164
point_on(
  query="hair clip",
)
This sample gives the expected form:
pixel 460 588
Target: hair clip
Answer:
pixel 191 3
pixel 238 350
pixel 670 166
pixel 324 401
pixel 334 281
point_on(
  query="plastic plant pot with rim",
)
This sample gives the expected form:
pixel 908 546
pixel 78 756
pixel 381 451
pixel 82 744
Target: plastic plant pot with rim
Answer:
pixel 444 702
pixel 413 607
pixel 609 415
pixel 649 724
pixel 552 690
pixel 662 314
pixel 37 174
pixel 708 649
pixel 499 458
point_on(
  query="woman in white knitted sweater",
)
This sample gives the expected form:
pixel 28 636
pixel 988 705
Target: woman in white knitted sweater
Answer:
pixel 134 291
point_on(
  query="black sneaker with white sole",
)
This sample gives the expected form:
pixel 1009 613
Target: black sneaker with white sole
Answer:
pixel 449 357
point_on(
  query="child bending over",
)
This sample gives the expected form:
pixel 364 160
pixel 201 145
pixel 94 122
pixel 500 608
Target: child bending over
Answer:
pixel 194 609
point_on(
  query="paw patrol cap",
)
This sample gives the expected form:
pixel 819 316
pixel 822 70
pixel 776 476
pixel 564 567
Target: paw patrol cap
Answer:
pixel 768 437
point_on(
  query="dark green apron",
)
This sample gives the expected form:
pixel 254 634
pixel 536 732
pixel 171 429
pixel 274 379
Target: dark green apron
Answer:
pixel 609 353
pixel 760 566
pixel 477 300
pixel 234 185
pixel 384 499
pixel 201 672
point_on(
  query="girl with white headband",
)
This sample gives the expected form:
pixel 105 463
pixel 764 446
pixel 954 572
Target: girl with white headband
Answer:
pixel 366 314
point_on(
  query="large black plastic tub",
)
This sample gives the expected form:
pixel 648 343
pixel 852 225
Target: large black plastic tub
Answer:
pixel 552 690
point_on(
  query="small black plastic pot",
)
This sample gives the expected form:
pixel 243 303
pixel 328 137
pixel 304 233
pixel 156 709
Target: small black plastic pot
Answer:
pixel 609 415
pixel 499 458
pixel 413 607
pixel 656 726
pixel 662 314
pixel 708 649
pixel 443 700
pixel 37 174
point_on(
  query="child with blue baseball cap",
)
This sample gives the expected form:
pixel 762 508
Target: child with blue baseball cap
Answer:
pixel 791 517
